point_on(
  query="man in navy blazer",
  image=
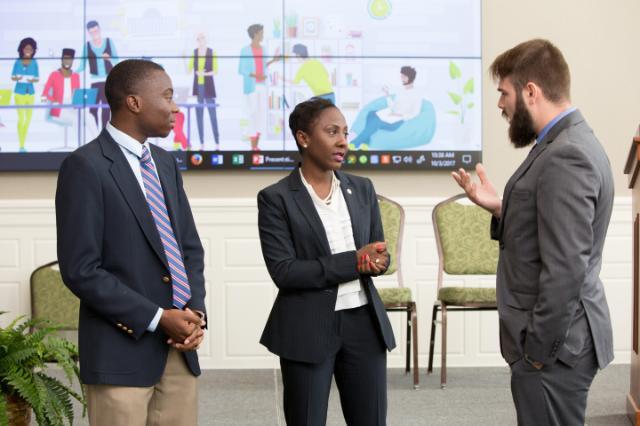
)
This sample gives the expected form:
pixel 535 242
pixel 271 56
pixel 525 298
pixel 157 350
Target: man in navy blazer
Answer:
pixel 137 343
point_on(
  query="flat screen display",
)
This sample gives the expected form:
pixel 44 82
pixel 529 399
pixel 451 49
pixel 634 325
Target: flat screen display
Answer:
pixel 406 74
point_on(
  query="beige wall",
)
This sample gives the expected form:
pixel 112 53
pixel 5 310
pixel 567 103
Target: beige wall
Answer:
pixel 600 41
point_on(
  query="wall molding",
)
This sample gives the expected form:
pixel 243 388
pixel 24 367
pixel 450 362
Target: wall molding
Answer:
pixel 240 291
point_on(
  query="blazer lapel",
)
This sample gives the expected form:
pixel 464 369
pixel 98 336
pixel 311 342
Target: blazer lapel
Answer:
pixel 354 206
pixel 307 209
pixel 130 188
pixel 567 121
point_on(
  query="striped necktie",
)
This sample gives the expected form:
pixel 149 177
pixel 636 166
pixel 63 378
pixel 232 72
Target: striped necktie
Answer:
pixel 155 199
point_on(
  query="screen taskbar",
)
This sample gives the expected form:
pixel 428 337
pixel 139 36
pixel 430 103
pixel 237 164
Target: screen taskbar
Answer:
pixel 271 160
pixel 363 160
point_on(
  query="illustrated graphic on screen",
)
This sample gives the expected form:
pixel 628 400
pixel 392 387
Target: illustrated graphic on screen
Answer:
pixel 204 64
pixel 406 76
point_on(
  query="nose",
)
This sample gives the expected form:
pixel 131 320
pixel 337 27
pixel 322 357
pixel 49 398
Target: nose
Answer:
pixel 342 140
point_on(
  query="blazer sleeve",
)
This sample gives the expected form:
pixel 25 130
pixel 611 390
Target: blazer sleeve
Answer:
pixel 191 248
pixel 567 194
pixel 286 269
pixel 377 233
pixel 80 233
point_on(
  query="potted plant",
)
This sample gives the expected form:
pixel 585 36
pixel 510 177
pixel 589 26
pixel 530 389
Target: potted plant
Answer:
pixel 26 346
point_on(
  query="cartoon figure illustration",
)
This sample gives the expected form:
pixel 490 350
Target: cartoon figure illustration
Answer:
pixel 314 74
pixel 253 68
pixel 397 121
pixel 25 73
pixel 204 64
pixel 60 87
pixel 102 56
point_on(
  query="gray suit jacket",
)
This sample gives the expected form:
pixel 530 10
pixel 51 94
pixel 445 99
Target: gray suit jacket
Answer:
pixel 555 213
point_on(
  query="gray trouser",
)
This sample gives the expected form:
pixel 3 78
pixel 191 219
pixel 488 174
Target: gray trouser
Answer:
pixel 554 395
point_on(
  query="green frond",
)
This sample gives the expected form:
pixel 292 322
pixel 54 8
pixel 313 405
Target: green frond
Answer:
pixel 25 348
pixel 20 382
pixel 4 418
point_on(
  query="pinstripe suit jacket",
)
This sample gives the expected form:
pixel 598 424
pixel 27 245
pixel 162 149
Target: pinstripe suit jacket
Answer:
pixel 298 257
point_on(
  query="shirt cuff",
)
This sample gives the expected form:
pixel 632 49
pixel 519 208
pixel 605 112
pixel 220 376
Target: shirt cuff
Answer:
pixel 154 322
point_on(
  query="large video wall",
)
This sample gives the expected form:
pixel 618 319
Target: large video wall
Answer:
pixel 406 74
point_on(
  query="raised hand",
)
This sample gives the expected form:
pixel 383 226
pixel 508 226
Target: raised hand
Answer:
pixel 483 194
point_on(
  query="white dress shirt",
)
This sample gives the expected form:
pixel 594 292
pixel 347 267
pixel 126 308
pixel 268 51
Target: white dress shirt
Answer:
pixel 336 221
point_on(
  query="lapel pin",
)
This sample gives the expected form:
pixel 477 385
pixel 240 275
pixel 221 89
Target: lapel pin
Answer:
pixel 349 191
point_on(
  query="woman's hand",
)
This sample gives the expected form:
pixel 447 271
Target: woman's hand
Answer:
pixel 373 259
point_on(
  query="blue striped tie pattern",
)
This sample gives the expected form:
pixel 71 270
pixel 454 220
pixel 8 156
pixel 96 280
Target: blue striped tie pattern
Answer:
pixel 158 207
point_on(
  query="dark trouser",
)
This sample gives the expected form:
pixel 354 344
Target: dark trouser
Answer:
pixel 100 99
pixel 360 369
pixel 210 104
pixel 373 123
pixel 554 395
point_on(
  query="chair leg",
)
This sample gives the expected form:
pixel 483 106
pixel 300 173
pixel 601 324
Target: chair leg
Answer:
pixel 443 368
pixel 407 367
pixel 432 341
pixel 414 330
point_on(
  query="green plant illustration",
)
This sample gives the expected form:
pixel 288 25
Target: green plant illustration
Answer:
pixel 26 346
pixel 463 98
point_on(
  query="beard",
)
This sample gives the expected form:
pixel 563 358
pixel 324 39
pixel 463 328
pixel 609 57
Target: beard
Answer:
pixel 521 131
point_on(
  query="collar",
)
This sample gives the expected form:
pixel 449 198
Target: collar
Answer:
pixel 126 141
pixel 553 122
pixel 335 186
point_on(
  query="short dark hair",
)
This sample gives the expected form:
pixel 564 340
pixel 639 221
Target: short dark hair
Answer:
pixel 300 50
pixel 27 42
pixel 124 78
pixel 305 114
pixel 409 72
pixel 254 29
pixel 92 24
pixel 537 61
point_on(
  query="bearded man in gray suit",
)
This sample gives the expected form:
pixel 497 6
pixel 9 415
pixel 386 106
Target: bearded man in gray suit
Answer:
pixel 555 329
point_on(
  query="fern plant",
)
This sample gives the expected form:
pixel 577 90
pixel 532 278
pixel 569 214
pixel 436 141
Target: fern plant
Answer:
pixel 23 370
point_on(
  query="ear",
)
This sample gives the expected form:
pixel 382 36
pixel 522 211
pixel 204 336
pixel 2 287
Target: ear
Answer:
pixel 302 138
pixel 133 103
pixel 531 93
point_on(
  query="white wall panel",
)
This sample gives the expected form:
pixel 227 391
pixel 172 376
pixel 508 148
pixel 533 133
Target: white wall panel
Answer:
pixel 240 292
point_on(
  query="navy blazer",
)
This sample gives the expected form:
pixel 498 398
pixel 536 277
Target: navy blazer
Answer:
pixel 298 257
pixel 112 258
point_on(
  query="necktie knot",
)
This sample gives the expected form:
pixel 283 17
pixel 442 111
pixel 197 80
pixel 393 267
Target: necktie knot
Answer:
pixel 146 156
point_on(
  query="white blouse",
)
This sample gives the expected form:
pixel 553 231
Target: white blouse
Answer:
pixel 336 221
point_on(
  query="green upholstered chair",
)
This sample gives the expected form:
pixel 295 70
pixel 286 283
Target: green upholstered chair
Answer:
pixel 52 300
pixel 399 299
pixel 465 247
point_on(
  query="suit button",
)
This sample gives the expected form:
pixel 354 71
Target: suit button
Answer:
pixel 119 325
pixel 166 279
pixel 501 245
pixel 130 331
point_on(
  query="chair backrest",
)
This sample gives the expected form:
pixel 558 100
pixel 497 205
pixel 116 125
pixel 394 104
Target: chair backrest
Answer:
pixel 463 238
pixel 392 215
pixel 51 299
